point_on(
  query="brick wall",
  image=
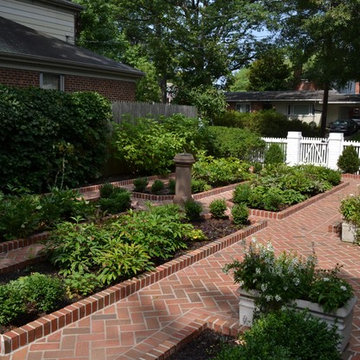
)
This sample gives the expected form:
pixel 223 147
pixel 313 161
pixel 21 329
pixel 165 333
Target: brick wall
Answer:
pixel 20 78
pixel 112 89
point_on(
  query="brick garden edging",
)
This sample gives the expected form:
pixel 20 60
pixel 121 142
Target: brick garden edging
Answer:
pixel 295 208
pixel 19 243
pixel 335 228
pixel 48 324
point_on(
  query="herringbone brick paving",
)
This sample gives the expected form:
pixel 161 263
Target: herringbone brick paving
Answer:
pixel 159 316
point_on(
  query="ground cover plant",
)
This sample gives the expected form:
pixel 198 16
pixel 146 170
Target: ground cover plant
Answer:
pixel 350 211
pixel 280 186
pixel 51 138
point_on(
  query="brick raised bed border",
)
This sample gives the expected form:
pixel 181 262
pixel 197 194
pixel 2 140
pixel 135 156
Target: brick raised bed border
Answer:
pixel 48 324
pixel 295 208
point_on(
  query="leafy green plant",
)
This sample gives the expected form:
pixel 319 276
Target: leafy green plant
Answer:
pixel 106 190
pixel 140 184
pixel 218 208
pixel 242 193
pixel 193 210
pixel 12 303
pixel 157 186
pixel 80 283
pixel 172 186
pixel 286 335
pixel 119 201
pixel 349 161
pixel 41 291
pixel 198 185
pixel 240 214
pixel 51 138
pixel 350 209
pixel 274 155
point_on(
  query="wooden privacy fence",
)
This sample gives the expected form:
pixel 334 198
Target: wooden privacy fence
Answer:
pixel 136 109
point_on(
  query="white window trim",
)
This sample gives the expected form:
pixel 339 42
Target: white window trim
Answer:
pixel 61 82
pixel 311 110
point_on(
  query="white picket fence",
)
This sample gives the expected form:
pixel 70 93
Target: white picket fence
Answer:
pixel 316 151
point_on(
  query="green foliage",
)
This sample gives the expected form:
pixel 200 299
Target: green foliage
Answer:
pixel 149 146
pixel 172 186
pixel 239 143
pixel 41 291
pixel 283 185
pixel 118 201
pixel 286 335
pixel 140 184
pixel 218 208
pixel 199 185
pixel 265 123
pixel 81 283
pixel 240 80
pixel 106 190
pixel 274 155
pixel 349 161
pixel 37 292
pixel 221 171
pixel 51 138
pixel 193 210
pixel 284 278
pixel 240 214
pixel 350 209
pixel 269 72
pixel 157 186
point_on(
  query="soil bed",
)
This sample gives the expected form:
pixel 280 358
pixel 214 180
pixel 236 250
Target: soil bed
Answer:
pixel 204 347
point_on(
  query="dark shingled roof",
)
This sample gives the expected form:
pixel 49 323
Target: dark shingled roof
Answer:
pixel 64 4
pixel 23 42
pixel 334 96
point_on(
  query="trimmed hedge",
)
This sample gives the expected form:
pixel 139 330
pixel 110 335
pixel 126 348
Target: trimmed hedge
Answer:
pixel 266 123
pixel 239 143
pixel 51 138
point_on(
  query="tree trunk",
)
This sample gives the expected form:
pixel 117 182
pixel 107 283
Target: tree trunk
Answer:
pixel 163 87
pixel 324 110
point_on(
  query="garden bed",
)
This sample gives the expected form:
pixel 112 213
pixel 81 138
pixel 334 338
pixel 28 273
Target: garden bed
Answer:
pixel 47 324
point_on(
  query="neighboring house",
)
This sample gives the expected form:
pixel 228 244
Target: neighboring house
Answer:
pixel 303 105
pixel 37 49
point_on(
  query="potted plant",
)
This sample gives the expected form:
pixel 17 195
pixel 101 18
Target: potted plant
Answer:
pixel 350 210
pixel 269 282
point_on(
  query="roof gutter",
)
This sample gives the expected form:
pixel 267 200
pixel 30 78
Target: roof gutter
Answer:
pixel 63 4
pixel 68 64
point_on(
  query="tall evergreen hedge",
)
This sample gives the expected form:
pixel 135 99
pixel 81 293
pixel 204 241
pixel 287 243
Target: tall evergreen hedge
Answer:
pixel 51 138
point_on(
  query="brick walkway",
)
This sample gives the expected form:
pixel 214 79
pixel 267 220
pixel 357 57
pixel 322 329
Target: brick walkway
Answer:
pixel 150 321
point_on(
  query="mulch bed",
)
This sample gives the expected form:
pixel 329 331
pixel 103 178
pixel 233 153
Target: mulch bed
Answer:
pixel 204 347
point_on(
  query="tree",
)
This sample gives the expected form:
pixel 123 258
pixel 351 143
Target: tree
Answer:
pixel 270 72
pixel 240 80
pixel 324 36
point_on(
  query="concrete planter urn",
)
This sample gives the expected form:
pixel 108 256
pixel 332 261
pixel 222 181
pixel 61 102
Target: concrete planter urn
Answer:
pixel 348 232
pixel 342 318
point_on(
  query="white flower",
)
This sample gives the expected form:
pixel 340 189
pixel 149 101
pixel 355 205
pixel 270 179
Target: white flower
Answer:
pixel 342 287
pixel 241 283
pixel 269 247
pixel 277 298
pixel 253 240
pixel 257 270
pixel 326 279
pixel 268 298
pixel 296 281
pixel 263 287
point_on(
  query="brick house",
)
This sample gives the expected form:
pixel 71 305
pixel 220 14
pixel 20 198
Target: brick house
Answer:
pixel 37 48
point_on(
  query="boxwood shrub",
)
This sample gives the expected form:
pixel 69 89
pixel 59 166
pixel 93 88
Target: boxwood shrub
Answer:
pixel 51 138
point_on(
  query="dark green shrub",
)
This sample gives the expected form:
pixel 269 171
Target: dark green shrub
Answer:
pixel 193 210
pixel 257 167
pixel 286 335
pixel 20 216
pixel 140 184
pixel 240 214
pixel 272 199
pixel 198 185
pixel 242 194
pixel 42 292
pixel 349 161
pixel 51 138
pixel 149 146
pixel 172 186
pixel 157 186
pixel 12 303
pixel 274 155
pixel 218 208
pixel 119 201
pixel 106 190
pixel 239 143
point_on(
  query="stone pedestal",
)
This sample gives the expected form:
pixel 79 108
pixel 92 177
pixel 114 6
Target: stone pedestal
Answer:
pixel 183 162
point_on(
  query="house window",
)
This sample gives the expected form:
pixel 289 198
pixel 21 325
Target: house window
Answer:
pixel 50 81
pixel 301 109
pixel 243 107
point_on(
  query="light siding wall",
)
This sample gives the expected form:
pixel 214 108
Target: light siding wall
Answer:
pixel 282 108
pixel 50 20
